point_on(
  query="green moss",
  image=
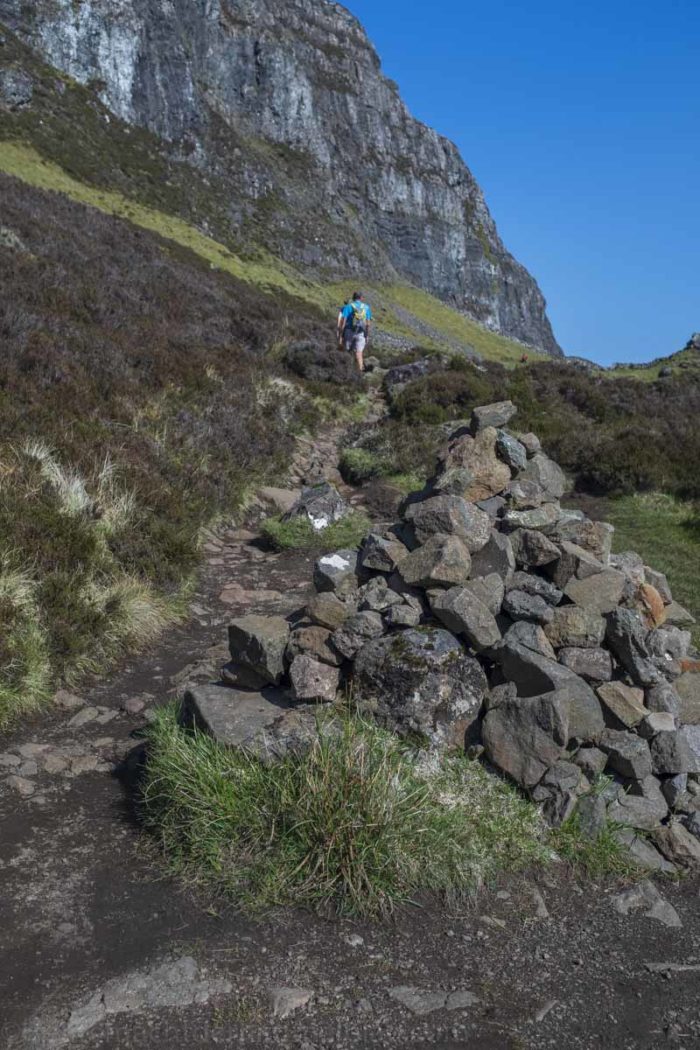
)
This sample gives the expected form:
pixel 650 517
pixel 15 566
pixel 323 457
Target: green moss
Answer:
pixel 299 534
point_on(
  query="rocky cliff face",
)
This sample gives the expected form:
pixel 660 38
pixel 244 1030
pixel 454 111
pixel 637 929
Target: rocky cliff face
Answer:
pixel 285 102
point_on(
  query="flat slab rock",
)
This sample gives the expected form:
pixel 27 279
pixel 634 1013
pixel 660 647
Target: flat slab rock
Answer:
pixel 264 724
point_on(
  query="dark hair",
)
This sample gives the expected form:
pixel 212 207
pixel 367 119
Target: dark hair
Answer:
pixel 357 295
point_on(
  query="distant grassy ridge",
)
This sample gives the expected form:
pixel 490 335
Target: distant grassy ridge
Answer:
pixel 400 310
pixel 683 362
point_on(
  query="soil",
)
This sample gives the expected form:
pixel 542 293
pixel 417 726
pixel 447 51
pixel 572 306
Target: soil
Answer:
pixel 101 948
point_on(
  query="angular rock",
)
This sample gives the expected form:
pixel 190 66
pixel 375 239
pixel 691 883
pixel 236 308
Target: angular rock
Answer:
pixel 524 495
pixel 663 697
pixel 492 506
pixel 327 610
pixel 692 735
pixel 537 518
pixel 643 808
pixel 241 677
pixel 281 500
pixel 471 468
pixel 592 816
pixel 262 724
pixel 546 473
pixel 442 561
pixel 451 516
pixel 402 616
pixel 495 557
pixel 678 845
pixel 574 627
pixel 521 606
pixel 593 665
pixel 531 636
pixel 674 788
pixel 337 572
pixel 646 896
pixel 536 586
pixel 642 853
pixel 593 536
pixel 511 451
pixel 356 632
pixel 659 582
pixel 656 722
pixel 558 792
pixel 524 737
pixel 532 549
pixel 692 824
pixel 313 641
pixel 626 637
pixel 627 753
pixel 463 613
pixel 382 553
pixel 259 643
pixel 496 415
pixel 631 565
pixel 321 505
pixel 490 590
pixel 672 754
pixel 313 682
pixel 377 596
pixel 421 682
pixel 677 616
pixel 688 690
pixel 669 643
pixel 624 702
pixel 591 760
pixel 531 442
pixel 602 592
pixel 573 563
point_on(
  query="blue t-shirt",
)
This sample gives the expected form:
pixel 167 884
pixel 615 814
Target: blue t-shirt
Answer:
pixel 347 311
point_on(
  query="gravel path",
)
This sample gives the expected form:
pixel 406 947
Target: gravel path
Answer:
pixel 99 949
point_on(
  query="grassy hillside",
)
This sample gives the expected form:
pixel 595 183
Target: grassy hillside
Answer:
pixel 684 362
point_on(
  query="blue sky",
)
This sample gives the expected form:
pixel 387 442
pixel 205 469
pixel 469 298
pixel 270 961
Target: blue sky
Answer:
pixel 582 124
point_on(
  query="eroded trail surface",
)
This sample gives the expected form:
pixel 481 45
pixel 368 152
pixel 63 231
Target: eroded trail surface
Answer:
pixel 100 950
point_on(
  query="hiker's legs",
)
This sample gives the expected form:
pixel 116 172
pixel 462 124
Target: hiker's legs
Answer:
pixel 360 344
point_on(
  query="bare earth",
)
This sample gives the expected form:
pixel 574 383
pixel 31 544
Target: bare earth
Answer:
pixel 99 949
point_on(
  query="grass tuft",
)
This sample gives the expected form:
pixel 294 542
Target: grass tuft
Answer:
pixel 299 534
pixel 25 667
pixel 356 824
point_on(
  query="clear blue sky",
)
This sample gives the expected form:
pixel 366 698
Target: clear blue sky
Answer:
pixel 581 121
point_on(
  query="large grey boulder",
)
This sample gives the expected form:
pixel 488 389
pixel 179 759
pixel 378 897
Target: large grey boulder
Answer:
pixel 328 610
pixel 524 737
pixel 524 495
pixel 624 702
pixel 669 643
pixel 313 640
pixel 337 572
pixel 464 614
pixel 312 681
pixel 558 792
pixel 321 505
pixel 678 845
pixel 546 473
pixel 536 518
pixel 593 536
pixel 627 753
pixel 420 682
pixel 672 754
pixel 495 556
pixel 522 606
pixel 496 415
pixel 593 665
pixel 377 596
pixel 511 451
pixel 573 626
pixel 573 563
pixel 643 807
pixel 663 697
pixel 442 561
pixel 356 631
pixel 602 592
pixel 535 585
pixel 532 549
pixel 259 643
pixel 688 690
pixel 471 467
pixel 626 637
pixel 451 516
pixel 382 553
pixel 677 616
pixel 262 724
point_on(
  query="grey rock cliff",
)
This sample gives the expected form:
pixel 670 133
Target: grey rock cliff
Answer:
pixel 285 101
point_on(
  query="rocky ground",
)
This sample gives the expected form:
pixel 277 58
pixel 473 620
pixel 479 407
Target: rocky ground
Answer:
pixel 100 948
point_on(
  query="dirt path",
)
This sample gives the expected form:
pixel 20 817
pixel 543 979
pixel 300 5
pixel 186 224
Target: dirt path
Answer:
pixel 98 949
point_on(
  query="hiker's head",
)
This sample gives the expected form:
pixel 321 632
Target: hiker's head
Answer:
pixel 357 296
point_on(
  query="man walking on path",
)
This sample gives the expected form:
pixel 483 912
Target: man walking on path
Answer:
pixel 354 323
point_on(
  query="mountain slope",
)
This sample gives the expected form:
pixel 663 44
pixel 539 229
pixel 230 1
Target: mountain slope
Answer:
pixel 281 109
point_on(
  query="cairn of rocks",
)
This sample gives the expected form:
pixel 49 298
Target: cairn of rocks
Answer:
pixel 491 618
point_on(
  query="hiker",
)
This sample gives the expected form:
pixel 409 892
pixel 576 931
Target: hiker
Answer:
pixel 354 322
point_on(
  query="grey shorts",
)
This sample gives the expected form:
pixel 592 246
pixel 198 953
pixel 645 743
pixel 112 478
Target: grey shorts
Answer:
pixel 354 341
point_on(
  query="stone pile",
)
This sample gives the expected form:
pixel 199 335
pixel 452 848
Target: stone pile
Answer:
pixel 491 618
